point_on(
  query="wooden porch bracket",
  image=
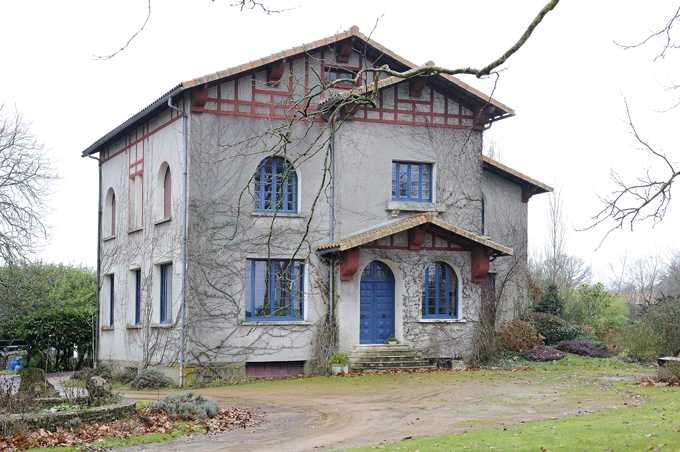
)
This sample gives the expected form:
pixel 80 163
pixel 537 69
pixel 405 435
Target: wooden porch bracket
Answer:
pixel 349 265
pixel 416 85
pixel 343 50
pixel 416 237
pixel 274 72
pixel 200 98
pixel 479 265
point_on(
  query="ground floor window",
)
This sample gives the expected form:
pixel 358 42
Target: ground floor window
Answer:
pixel 111 299
pixel 274 289
pixel 440 292
pixel 166 293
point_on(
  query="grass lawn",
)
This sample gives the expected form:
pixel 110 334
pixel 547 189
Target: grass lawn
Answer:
pixel 654 425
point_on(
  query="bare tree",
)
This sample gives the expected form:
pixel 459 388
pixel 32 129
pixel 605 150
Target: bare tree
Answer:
pixel 25 174
pixel 649 195
pixel 555 266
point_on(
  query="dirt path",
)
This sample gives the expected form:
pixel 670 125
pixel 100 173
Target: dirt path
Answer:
pixel 338 413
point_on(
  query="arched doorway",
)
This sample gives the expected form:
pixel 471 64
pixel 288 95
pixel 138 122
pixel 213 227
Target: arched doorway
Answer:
pixel 376 309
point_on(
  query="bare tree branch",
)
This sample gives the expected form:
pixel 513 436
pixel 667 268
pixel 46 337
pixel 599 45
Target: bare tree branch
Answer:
pixel 665 32
pixel 108 57
pixel 646 198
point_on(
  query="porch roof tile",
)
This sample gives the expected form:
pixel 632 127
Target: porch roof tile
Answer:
pixel 385 230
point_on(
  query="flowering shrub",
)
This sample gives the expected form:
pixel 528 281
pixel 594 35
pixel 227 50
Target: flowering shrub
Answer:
pixel 583 348
pixel 542 353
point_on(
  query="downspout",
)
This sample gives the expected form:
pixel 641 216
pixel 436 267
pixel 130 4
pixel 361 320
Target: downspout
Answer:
pixel 95 340
pixel 185 122
pixel 331 228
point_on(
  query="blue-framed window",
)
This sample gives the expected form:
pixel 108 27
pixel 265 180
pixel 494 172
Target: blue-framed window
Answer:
pixel 276 186
pixel 483 217
pixel 274 289
pixel 440 292
pixel 411 181
pixel 111 299
pixel 166 293
pixel 138 296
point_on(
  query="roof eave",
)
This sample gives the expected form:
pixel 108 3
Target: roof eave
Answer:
pixel 130 123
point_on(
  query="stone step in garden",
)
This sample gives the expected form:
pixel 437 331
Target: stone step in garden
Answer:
pixel 382 357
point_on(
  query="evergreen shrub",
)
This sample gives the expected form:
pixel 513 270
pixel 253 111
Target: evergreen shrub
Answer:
pixel 186 406
pixel 151 379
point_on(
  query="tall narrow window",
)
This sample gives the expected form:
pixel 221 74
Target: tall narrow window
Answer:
pixel 113 214
pixel 166 293
pixel 138 297
pixel 136 201
pixel 483 218
pixel 109 214
pixel 411 181
pixel 440 292
pixel 276 186
pixel 167 192
pixel 111 300
pixel 274 290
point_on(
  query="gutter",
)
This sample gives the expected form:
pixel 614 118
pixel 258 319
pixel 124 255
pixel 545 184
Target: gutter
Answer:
pixel 185 122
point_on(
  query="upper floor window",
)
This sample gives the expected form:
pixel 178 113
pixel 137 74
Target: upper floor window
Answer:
pixel 440 292
pixel 483 217
pixel 167 193
pixel 411 181
pixel 276 186
pixel 136 201
pixel 332 74
pixel 110 214
pixel 274 289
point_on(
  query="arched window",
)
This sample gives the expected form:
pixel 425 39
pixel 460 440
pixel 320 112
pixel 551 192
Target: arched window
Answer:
pixel 276 186
pixel 109 220
pixel 440 292
pixel 167 193
pixel 113 214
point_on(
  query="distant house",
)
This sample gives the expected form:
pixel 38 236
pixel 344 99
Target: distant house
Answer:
pixel 283 238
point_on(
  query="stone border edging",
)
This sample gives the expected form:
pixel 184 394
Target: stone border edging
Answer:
pixel 12 425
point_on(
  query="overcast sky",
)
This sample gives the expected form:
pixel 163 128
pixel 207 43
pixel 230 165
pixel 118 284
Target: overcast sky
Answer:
pixel 567 86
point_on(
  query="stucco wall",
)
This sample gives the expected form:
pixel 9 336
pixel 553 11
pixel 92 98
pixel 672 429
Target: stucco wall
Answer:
pixel 157 145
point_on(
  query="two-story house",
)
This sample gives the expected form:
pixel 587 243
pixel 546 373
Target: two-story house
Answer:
pixel 251 219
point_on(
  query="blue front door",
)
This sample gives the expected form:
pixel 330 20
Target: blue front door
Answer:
pixel 376 304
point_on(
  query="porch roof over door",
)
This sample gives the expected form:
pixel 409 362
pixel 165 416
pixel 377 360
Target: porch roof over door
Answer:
pixel 461 236
pixel 417 227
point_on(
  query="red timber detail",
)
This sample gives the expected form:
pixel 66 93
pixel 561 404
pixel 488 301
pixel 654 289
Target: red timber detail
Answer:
pixel 429 243
pixel 481 118
pixel 527 192
pixel 416 85
pixel 274 102
pixel 330 66
pixel 174 116
pixel 274 72
pixel 199 98
pixel 416 237
pixel 343 50
pixel 349 265
pixel 479 265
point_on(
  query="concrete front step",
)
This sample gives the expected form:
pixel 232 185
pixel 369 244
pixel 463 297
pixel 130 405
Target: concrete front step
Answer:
pixel 381 357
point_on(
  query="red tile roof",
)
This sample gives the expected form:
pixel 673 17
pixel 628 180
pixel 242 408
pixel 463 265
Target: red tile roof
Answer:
pixel 386 230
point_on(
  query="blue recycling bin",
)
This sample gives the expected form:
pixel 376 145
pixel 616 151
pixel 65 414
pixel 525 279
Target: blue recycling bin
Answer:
pixel 14 364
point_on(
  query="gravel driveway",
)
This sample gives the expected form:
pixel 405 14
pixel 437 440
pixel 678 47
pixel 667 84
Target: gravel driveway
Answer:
pixel 337 413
